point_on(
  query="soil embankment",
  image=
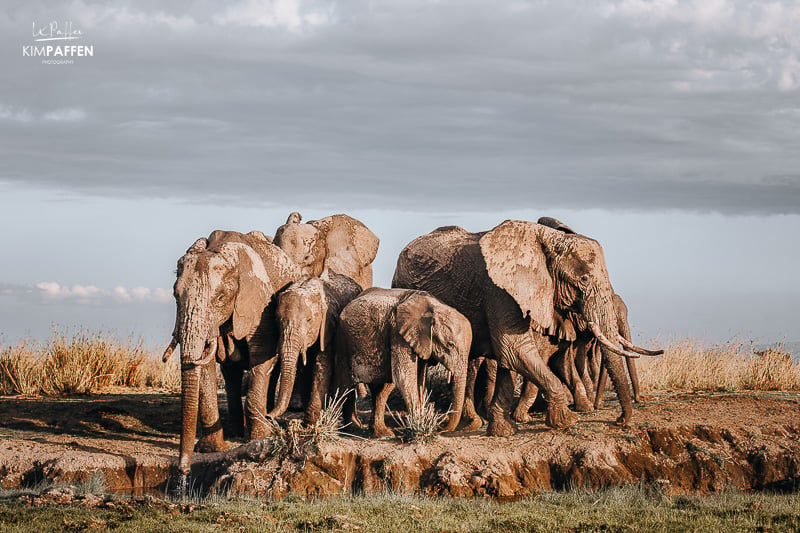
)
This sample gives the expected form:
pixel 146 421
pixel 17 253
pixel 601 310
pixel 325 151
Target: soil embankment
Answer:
pixel 682 442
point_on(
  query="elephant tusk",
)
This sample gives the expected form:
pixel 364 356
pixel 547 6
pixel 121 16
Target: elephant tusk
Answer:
pixel 607 344
pixel 171 348
pixel 632 347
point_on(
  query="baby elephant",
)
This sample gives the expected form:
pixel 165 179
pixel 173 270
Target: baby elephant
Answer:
pixel 307 314
pixel 390 336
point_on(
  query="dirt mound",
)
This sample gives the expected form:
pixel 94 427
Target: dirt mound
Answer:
pixel 680 442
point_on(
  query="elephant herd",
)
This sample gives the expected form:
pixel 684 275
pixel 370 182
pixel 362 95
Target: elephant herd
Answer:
pixel 532 301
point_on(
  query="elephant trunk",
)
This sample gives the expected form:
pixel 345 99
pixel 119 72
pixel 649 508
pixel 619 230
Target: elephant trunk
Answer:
pixel 190 397
pixel 290 349
pixel 613 363
pixel 193 336
pixel 459 389
pixel 625 338
pixel 604 325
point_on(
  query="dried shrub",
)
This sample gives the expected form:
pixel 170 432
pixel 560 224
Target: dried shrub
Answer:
pixel 79 364
pixel 20 371
pixel 734 366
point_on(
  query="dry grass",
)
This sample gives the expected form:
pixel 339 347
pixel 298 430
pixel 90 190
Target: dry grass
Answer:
pixel 87 362
pixel 81 364
pixel 420 424
pixel 735 366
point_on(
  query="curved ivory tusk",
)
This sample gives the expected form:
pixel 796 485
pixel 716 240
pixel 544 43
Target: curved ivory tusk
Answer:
pixel 607 344
pixel 632 347
pixel 171 348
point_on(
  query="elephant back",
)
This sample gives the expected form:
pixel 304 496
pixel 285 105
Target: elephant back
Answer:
pixel 447 263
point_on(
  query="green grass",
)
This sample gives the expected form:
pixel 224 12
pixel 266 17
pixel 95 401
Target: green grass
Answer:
pixel 624 509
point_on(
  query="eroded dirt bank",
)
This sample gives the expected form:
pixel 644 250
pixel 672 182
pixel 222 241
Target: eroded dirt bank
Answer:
pixel 683 442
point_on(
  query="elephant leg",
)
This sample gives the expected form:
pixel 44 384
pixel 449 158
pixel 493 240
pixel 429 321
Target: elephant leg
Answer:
pixel 573 379
pixel 634 379
pixel 320 385
pixel 500 424
pixel 256 405
pixel 349 410
pixel 582 368
pixel 531 366
pixel 233 374
pixel 579 395
pixel 380 393
pixel 602 378
pixel 491 380
pixel 272 389
pixel 471 421
pixel 422 372
pixel 526 399
pixel 211 424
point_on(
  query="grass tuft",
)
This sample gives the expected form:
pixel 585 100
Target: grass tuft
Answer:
pixel 421 424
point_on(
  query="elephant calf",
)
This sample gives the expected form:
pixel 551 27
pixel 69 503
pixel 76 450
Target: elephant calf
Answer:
pixel 389 336
pixel 307 314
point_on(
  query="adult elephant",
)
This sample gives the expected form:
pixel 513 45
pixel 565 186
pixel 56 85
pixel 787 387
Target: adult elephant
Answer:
pixel 307 315
pixel 587 348
pixel 510 282
pixel 338 242
pixel 224 289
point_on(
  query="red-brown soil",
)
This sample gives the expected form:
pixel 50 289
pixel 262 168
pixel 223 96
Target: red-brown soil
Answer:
pixel 679 441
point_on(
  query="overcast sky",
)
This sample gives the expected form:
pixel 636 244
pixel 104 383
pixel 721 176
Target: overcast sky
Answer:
pixel 668 130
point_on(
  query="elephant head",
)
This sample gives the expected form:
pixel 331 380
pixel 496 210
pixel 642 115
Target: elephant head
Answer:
pixel 338 242
pixel 551 272
pixel 225 281
pixel 436 333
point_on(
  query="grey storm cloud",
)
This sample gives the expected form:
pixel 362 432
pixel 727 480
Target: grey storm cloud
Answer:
pixel 413 104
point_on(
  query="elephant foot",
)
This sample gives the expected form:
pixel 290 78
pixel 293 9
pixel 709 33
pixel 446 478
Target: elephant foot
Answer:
pixel 472 424
pixel 623 421
pixel 260 430
pixel 521 414
pixel 211 443
pixel 382 432
pixel 583 405
pixel 559 417
pixel 501 426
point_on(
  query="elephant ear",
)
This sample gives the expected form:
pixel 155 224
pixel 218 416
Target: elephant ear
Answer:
pixel 516 262
pixel 349 245
pixel 199 246
pixel 260 235
pixel 414 319
pixel 255 290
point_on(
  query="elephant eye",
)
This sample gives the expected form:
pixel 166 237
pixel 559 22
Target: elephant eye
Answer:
pixel 584 280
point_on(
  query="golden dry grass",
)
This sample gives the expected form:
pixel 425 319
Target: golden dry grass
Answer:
pixel 87 362
pixel 735 366
pixel 82 363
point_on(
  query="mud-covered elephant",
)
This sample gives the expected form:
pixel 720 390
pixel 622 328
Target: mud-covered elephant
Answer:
pixel 307 316
pixel 510 282
pixel 388 337
pixel 338 242
pixel 224 290
pixel 587 348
